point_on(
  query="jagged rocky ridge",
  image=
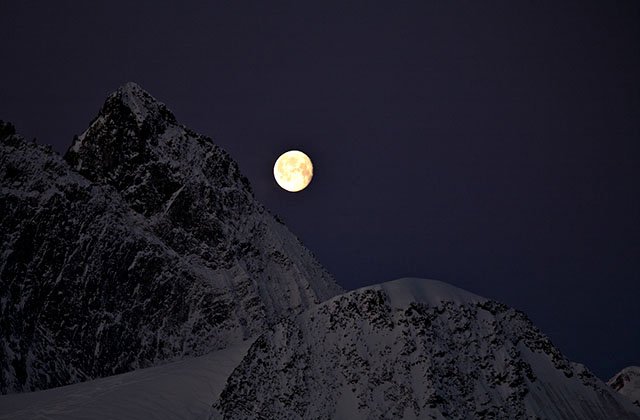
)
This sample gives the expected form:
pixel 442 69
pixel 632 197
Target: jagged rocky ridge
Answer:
pixel 627 383
pixel 413 348
pixel 144 246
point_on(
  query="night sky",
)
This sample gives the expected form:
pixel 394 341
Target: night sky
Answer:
pixel 491 145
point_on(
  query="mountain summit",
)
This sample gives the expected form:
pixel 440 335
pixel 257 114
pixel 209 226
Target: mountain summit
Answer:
pixel 195 199
pixel 413 348
pixel 145 245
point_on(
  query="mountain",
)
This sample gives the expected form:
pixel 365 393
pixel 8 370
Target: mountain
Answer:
pixel 627 383
pixel 413 348
pixel 195 200
pixel 145 245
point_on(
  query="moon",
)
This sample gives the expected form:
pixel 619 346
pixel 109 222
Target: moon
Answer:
pixel 293 171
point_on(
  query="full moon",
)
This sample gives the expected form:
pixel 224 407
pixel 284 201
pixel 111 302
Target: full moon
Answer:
pixel 293 171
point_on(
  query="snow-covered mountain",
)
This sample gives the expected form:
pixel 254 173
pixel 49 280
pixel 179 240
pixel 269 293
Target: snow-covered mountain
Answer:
pixel 145 246
pixel 413 348
pixel 627 383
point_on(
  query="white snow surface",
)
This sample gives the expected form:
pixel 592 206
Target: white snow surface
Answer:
pixel 402 292
pixel 179 390
pixel 627 383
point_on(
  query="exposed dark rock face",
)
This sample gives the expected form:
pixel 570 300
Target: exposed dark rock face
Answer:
pixel 148 247
pixel 187 187
pixel 413 349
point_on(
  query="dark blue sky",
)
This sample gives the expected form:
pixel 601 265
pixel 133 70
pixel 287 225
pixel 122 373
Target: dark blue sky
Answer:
pixel 492 145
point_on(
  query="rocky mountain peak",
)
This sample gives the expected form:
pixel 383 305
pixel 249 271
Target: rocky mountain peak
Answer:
pixel 139 103
pixel 136 145
pixel 123 136
pixel 137 99
pixel 146 245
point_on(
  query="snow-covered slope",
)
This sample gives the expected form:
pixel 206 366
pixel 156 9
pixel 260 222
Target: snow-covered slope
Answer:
pixel 155 250
pixel 627 383
pixel 179 390
pixel 413 348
